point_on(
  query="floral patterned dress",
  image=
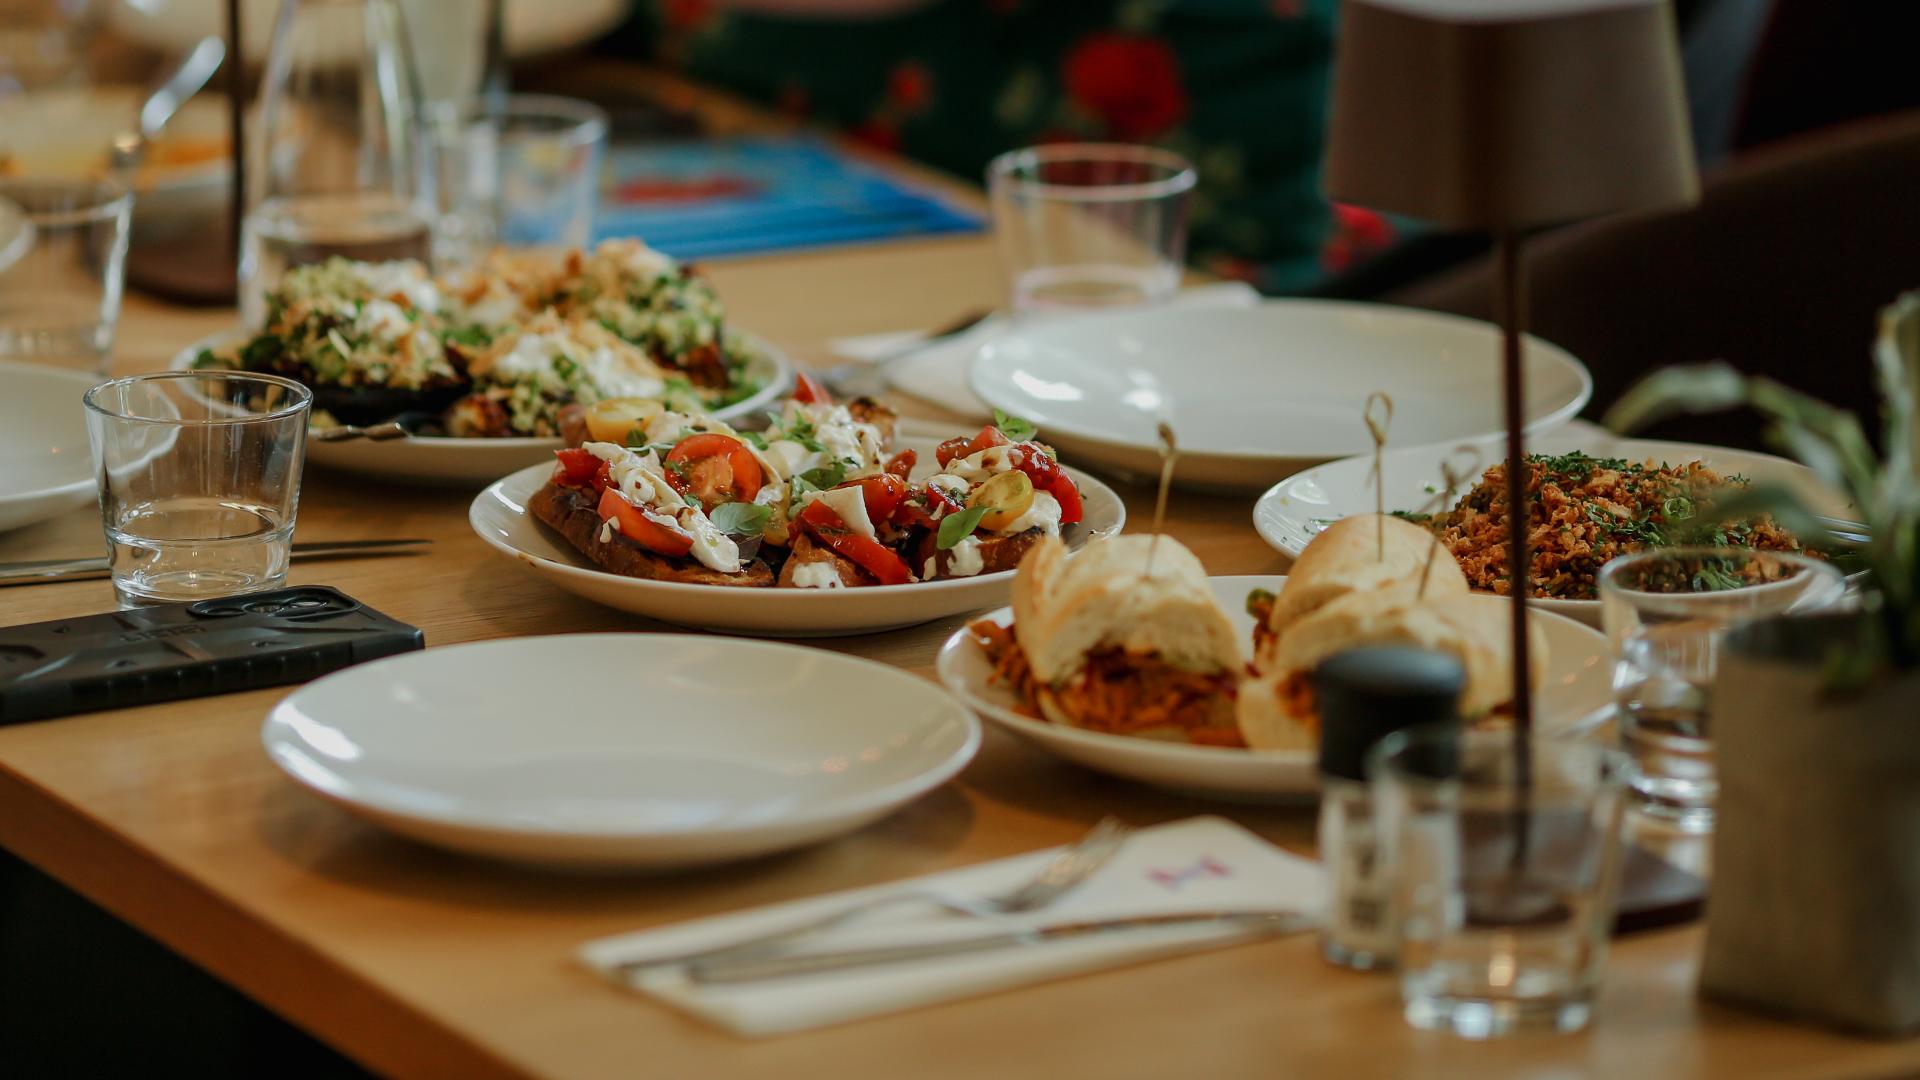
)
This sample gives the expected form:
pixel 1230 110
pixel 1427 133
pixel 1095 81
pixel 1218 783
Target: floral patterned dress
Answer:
pixel 1240 87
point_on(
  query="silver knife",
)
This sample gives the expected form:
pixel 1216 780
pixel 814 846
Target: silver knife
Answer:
pixel 96 566
pixel 722 970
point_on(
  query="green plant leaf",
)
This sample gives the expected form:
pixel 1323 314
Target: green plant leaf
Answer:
pixel 1896 361
pixel 957 527
pixel 1677 391
pixel 740 518
pixel 1012 426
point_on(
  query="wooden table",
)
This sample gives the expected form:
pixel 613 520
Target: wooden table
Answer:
pixel 419 963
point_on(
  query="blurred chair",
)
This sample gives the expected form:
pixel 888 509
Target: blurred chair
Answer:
pixel 1780 270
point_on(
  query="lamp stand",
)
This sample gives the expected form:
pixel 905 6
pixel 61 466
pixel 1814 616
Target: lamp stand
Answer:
pixel 236 129
pixel 1509 306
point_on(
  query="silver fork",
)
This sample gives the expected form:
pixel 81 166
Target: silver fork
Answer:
pixel 1059 876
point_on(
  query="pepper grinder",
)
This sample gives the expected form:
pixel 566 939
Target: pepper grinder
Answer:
pixel 1364 695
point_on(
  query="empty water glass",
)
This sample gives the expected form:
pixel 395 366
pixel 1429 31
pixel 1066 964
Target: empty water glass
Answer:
pixel 1504 855
pixel 1665 612
pixel 1087 226
pixel 199 476
pixel 63 261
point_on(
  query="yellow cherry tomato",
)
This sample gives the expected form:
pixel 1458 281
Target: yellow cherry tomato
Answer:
pixel 610 420
pixel 1010 494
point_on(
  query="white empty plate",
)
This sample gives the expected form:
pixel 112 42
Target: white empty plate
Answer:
pixel 621 750
pixel 1295 510
pixel 1578 682
pixel 499 514
pixel 468 463
pixel 1257 393
pixel 46 468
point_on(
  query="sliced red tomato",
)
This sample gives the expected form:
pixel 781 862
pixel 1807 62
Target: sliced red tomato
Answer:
pixel 988 436
pixel 902 463
pixel 824 525
pixel 925 508
pixel 713 468
pixel 576 466
pixel 882 494
pixel 1067 494
pixel 640 528
pixel 1048 476
pixel 808 390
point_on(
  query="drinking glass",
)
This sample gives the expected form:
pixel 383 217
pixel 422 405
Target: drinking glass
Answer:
pixel 62 267
pixel 1504 851
pixel 339 168
pixel 523 172
pixel 199 477
pixel 1665 612
pixel 1086 226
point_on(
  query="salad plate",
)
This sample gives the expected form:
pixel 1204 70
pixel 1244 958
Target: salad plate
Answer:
pixel 1256 393
pixel 46 468
pixel 456 462
pixel 1577 685
pixel 1291 513
pixel 501 517
pixel 734 749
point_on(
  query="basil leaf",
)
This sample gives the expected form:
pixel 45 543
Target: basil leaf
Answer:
pixel 637 439
pixel 1012 426
pixel 826 476
pixel 741 518
pixel 755 439
pixel 800 487
pixel 957 527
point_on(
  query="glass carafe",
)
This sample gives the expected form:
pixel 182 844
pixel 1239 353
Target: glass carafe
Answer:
pixel 337 164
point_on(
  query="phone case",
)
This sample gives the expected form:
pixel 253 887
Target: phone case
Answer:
pixel 173 651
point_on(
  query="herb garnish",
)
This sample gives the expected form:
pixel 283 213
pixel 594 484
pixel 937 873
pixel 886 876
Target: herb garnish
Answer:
pixel 957 527
pixel 741 518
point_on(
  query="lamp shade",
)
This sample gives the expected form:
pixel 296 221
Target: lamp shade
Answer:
pixel 1509 114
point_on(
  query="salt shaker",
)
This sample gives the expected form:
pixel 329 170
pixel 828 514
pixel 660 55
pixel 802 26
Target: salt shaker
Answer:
pixel 1364 695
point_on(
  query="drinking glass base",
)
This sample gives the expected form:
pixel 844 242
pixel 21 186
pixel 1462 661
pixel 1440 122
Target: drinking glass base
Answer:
pixel 1481 1018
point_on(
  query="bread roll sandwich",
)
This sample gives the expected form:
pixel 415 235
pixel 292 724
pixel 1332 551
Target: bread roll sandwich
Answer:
pixel 1127 638
pixel 1277 708
pixel 1361 554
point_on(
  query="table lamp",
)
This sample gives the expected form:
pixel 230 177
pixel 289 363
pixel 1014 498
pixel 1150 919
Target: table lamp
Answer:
pixel 1506 116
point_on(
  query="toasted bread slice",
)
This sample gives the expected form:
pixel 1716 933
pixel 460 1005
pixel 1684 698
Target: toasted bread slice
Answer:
pixel 997 553
pixel 807 553
pixel 573 513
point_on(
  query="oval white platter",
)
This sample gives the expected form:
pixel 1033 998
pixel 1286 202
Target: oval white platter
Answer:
pixel 499 515
pixel 46 468
pixel 1294 511
pixel 1578 683
pixel 704 749
pixel 468 462
pixel 1256 393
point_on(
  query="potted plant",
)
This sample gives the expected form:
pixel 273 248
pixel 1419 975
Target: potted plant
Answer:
pixel 1815 908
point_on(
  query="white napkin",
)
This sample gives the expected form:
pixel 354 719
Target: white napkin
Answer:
pixel 1197 865
pixel 938 373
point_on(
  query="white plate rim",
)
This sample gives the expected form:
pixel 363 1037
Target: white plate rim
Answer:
pixel 495 492
pixel 895 794
pixel 1040 731
pixel 1553 353
pixel 62 493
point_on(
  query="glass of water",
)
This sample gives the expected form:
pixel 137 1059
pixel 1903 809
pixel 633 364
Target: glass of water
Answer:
pixel 199 477
pixel 1665 612
pixel 63 258
pixel 1088 226
pixel 522 172
pixel 1504 854
pixel 340 166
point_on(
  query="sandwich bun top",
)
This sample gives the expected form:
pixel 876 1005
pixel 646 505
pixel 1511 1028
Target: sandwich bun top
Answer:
pixel 1360 554
pixel 1065 608
pixel 1472 629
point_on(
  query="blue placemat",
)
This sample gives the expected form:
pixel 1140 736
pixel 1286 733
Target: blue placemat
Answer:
pixel 711 198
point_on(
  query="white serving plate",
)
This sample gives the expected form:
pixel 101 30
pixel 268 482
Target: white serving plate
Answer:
pixel 532 27
pixel 500 516
pixel 1295 510
pixel 1576 686
pixel 46 468
pixel 1257 393
pixel 620 750
pixel 468 462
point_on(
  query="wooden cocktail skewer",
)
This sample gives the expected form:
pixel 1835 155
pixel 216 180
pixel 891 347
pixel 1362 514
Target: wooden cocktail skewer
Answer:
pixel 1169 453
pixel 1378 414
pixel 1450 480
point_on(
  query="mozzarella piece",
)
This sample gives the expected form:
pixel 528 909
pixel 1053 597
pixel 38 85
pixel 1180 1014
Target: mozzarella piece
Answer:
pixel 985 464
pixel 817 575
pixel 964 560
pixel 851 504
pixel 1043 514
pixel 951 486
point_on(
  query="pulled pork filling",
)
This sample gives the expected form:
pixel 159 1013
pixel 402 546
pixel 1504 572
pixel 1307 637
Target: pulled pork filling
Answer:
pixel 1122 693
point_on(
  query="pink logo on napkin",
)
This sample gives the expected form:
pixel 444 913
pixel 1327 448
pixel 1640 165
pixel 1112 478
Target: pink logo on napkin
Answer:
pixel 1206 867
